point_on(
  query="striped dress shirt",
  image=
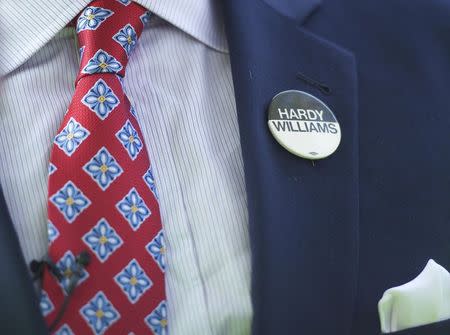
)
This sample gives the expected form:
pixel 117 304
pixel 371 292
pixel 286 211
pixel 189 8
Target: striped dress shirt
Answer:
pixel 179 80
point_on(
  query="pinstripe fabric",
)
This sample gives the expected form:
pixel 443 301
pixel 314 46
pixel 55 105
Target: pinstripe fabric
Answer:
pixel 184 99
pixel 200 19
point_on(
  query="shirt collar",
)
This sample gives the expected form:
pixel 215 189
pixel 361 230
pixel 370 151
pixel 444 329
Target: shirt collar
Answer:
pixel 27 25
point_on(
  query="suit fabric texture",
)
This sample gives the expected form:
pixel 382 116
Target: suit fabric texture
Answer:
pixel 328 239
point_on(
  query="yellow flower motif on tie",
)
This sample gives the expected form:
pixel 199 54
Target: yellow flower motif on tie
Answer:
pixel 70 201
pixel 157 250
pixel 130 139
pixel 68 273
pixel 133 209
pixel 101 99
pixel 99 313
pixel 127 38
pixel 103 168
pixel 68 266
pixel 157 320
pixel 133 281
pixel 102 62
pixel 71 137
pixel 92 18
pixel 103 240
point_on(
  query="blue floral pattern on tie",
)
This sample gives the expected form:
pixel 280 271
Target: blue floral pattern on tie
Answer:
pixel 92 18
pixel 133 112
pixel 53 233
pixel 51 168
pixel 157 250
pixel 81 52
pixel 145 18
pixel 99 313
pixel 103 168
pixel 70 201
pixel 101 99
pixel 103 240
pixel 150 181
pixel 130 139
pixel 157 320
pixel 133 209
pixel 125 2
pixel 133 281
pixel 69 268
pixel 127 38
pixel 121 83
pixel 64 330
pixel 70 138
pixel 102 62
pixel 45 304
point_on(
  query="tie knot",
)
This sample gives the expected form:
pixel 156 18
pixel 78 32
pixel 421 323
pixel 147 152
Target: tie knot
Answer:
pixel 107 33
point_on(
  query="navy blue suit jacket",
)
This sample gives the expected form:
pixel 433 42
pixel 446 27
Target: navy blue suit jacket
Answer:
pixel 328 240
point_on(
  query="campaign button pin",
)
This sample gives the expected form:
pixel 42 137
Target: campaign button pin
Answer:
pixel 303 125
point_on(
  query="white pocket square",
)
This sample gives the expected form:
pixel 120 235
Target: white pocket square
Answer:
pixel 424 300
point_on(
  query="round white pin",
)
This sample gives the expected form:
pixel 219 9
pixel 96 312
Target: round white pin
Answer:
pixel 303 125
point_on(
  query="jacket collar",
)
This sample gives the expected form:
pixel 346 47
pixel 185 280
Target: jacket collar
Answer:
pixel 28 25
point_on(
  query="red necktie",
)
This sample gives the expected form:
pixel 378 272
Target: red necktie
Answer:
pixel 105 272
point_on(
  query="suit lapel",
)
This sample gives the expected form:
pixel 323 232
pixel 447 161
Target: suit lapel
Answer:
pixel 303 218
pixel 17 293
